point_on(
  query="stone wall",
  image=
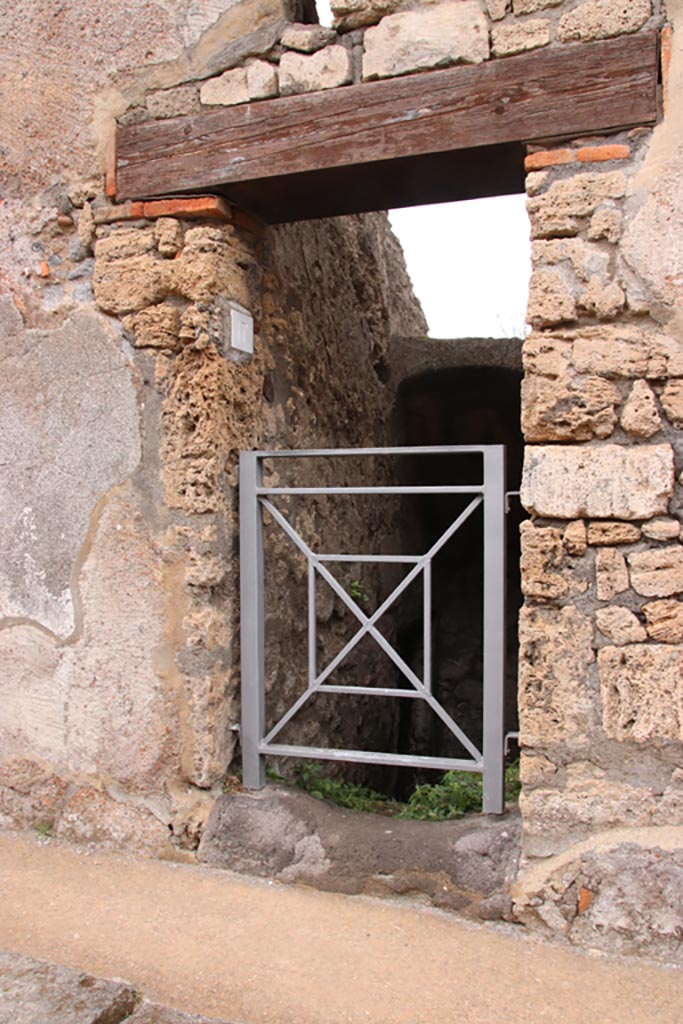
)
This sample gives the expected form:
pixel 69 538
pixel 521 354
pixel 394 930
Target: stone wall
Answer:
pixel 122 431
pixel 601 652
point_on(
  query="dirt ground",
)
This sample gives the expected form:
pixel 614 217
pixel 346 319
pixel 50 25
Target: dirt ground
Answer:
pixel 208 941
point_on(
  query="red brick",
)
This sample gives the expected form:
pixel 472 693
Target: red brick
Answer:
pixel 548 158
pixel 189 207
pixel 44 270
pixel 586 897
pixel 600 154
pixel 122 211
pixel 249 222
pixel 110 172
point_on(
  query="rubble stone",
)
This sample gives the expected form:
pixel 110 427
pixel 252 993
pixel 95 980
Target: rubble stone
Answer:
pixel 672 402
pixel 611 573
pixel 155 327
pixel 542 560
pixel 546 354
pixel 557 211
pixel 448 33
pixel 662 529
pixel 168 235
pixel 657 573
pixel 574 538
pixel 568 408
pixel 603 299
pixel 556 654
pixel 326 69
pixel 262 80
pixel 226 90
pixel 602 19
pixel 520 36
pixel 497 8
pixel 307 38
pixel 531 6
pixel 620 625
pixel 613 350
pixel 608 534
pixel 642 692
pixel 605 223
pixel 665 621
pixel 640 416
pixel 610 482
pixel 551 297
pixel 173 102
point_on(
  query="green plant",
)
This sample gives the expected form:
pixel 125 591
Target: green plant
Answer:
pixel 344 794
pixel 358 592
pixel 44 829
pixel 456 794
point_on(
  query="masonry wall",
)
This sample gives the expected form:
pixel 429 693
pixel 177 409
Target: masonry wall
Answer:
pixel 125 409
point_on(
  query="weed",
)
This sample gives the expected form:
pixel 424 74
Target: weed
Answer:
pixel 344 794
pixel 44 829
pixel 457 794
pixel 359 594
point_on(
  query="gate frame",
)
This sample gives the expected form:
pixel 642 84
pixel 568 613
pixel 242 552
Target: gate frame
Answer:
pixel 253 497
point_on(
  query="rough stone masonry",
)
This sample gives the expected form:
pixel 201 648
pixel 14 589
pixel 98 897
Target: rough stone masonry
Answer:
pixel 124 410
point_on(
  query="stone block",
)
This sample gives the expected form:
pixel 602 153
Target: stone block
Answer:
pixel 587 261
pixel 92 816
pixel 307 38
pixel 662 529
pixel 672 402
pixel 32 991
pixel 168 235
pixel 326 69
pixel 128 285
pixel 431 37
pixel 531 6
pixel 155 327
pixel 574 538
pixel 608 534
pixel 226 90
pixel 551 297
pixel 546 355
pixel 556 657
pixel 123 243
pixel 642 692
pixel 610 482
pixel 605 299
pixel 611 573
pixel 497 8
pixel 152 1013
pixel 542 562
pixel 605 223
pixel 657 573
pixel 610 350
pixel 520 36
pixel 173 102
pixel 557 212
pixel 603 19
pixel 569 408
pixel 351 14
pixel 262 80
pixel 210 264
pixel 640 415
pixel 665 621
pixel 620 625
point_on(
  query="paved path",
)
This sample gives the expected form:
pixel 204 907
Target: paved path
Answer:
pixel 208 942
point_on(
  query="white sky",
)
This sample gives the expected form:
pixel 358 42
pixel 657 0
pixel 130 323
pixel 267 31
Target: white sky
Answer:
pixel 469 263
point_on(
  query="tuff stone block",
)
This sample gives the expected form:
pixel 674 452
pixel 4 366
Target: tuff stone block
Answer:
pixel 430 37
pixel 657 573
pixel 642 692
pixel 611 574
pixel 610 482
pixel 602 19
pixel 665 621
pixel 325 69
pixel 519 37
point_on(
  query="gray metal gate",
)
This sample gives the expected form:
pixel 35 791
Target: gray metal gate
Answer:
pixel 254 498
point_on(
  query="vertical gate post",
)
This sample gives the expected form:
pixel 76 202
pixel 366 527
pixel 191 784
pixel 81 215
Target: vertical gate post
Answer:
pixel 251 620
pixel 494 628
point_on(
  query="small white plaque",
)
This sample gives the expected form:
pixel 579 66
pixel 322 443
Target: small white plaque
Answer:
pixel 241 329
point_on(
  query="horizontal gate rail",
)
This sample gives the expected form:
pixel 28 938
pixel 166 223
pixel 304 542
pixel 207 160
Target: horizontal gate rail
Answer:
pixel 254 500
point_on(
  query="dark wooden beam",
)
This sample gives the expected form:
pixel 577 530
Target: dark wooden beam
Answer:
pixel 292 145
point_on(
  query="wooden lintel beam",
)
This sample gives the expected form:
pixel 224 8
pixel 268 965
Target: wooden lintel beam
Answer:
pixel 564 91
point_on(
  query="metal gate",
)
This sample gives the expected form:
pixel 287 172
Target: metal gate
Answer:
pixel 254 498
